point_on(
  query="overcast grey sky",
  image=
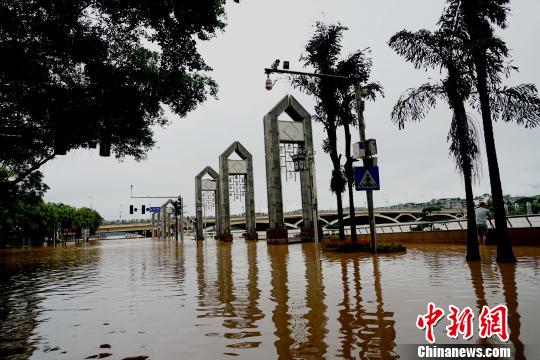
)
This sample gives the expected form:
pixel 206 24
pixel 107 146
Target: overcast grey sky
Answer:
pixel 414 163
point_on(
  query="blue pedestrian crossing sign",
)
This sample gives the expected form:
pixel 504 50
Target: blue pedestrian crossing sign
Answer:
pixel 367 178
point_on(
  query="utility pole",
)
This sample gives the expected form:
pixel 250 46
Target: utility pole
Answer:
pixel 368 161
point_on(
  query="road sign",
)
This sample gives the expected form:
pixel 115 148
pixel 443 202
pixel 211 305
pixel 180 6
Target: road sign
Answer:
pixel 367 178
pixel 154 209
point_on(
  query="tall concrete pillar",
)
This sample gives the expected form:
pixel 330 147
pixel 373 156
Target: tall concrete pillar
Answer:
pixel 206 185
pixel 276 132
pixel 236 167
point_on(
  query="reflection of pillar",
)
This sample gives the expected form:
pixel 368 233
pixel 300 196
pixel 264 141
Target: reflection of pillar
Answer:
pixel 253 313
pixel 280 295
pixel 508 275
pixel 316 315
pixel 225 282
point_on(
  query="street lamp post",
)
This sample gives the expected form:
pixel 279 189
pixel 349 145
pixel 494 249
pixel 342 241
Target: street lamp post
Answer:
pixel 306 161
pixel 359 94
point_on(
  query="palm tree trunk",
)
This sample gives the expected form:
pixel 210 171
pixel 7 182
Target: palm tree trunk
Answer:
pixel 456 100
pixel 336 189
pixel 478 33
pixel 350 181
pixel 473 253
pixel 504 247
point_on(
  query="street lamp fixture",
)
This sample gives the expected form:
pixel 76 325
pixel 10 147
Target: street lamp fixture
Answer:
pixel 299 161
pixel 269 84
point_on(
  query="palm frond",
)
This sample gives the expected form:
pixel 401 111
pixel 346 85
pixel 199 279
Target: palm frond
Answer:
pixel 519 103
pixel 463 138
pixel 414 104
pixel 421 48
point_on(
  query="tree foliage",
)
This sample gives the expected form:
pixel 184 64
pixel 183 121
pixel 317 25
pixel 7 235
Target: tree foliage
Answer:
pixel 73 73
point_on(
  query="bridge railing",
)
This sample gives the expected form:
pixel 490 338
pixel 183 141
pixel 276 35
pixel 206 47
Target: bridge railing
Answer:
pixel 518 221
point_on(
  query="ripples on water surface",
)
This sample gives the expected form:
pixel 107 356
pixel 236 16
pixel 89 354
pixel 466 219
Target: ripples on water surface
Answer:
pixel 163 300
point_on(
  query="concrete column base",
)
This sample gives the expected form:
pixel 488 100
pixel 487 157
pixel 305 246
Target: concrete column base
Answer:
pixel 251 235
pixel 307 234
pixel 277 236
pixel 226 237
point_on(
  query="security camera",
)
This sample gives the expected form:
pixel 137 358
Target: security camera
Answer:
pixel 312 85
pixel 269 84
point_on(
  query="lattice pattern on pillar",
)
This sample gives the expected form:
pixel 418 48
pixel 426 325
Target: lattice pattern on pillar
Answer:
pixel 286 152
pixel 209 202
pixel 237 188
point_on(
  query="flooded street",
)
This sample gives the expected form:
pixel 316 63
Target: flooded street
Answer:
pixel 209 300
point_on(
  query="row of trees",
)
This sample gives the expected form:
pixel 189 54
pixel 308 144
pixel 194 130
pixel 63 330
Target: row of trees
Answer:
pixel 473 62
pixel 39 222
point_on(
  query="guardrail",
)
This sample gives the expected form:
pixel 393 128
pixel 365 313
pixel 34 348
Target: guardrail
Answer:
pixel 518 221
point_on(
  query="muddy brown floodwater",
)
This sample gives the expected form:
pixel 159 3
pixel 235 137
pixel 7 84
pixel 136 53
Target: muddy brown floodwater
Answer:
pixel 154 299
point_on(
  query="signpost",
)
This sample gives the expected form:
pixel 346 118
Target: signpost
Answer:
pixel 367 178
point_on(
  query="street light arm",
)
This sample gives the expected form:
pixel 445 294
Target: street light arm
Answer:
pixel 352 79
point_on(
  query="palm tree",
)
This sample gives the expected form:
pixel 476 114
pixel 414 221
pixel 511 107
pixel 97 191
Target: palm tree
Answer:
pixel 519 103
pixel 335 103
pixel 426 49
pixel 487 56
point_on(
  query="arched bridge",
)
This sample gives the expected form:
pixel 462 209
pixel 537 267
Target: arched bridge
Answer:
pixel 327 219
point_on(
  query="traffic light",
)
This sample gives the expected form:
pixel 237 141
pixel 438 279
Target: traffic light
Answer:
pixel 105 148
pixel 131 209
pixel 143 209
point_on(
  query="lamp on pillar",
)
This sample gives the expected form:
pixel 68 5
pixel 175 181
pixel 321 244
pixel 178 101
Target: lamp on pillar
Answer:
pixel 299 161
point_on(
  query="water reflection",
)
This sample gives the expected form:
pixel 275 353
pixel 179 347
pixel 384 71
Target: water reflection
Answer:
pixel 27 278
pixel 315 315
pixel 164 299
pixel 280 296
pixel 508 275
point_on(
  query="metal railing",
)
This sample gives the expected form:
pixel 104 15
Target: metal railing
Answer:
pixel 518 221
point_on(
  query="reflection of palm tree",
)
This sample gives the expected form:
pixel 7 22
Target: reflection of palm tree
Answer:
pixel 477 280
pixel 377 334
pixel 316 316
pixel 508 275
pixel 280 295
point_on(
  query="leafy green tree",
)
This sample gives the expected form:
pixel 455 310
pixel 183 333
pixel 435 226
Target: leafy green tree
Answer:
pixel 74 73
pixel 488 54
